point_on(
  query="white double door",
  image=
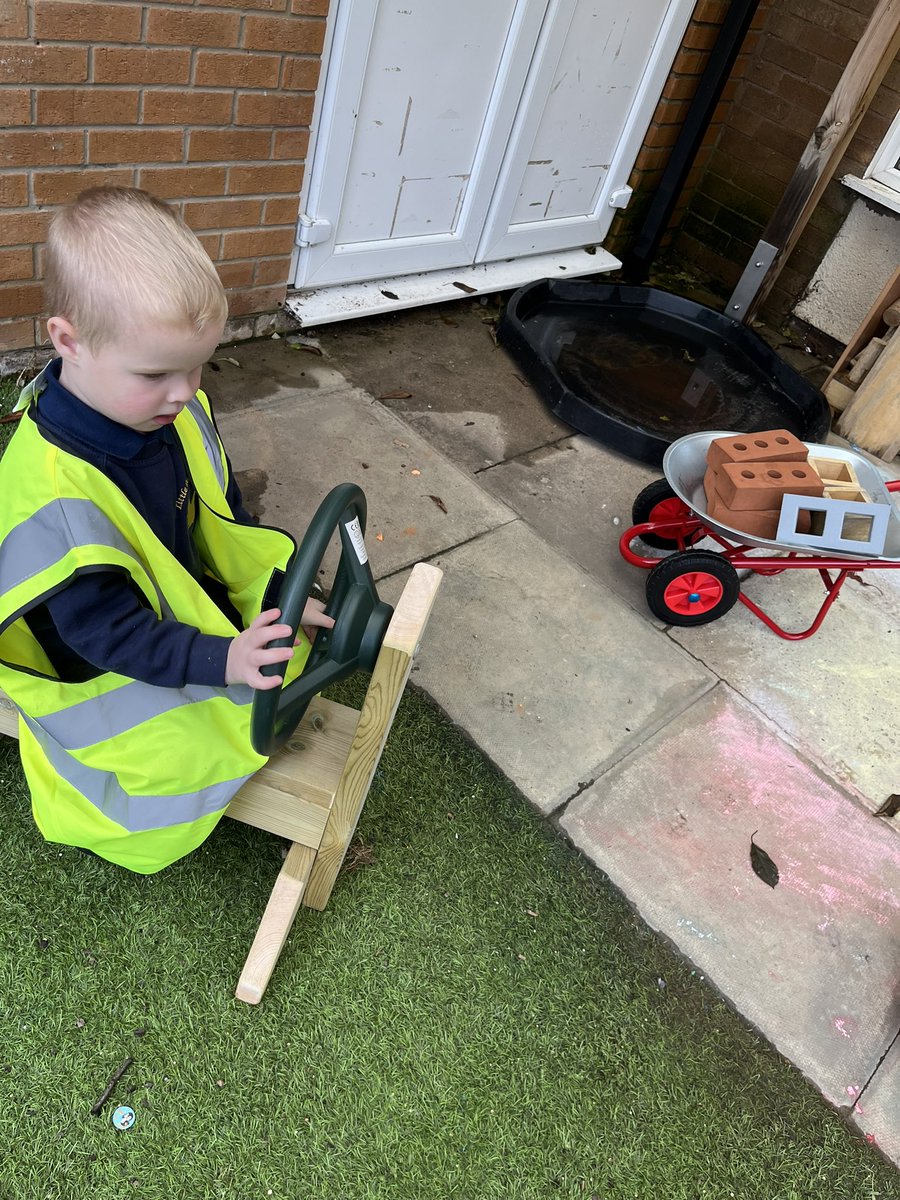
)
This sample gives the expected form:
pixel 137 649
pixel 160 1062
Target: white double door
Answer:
pixel 457 132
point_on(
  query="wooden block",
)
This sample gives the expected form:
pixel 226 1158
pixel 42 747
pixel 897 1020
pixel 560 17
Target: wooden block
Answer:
pixel 838 393
pixel 865 359
pixel 834 471
pixel 849 491
pixel 760 486
pixel 771 445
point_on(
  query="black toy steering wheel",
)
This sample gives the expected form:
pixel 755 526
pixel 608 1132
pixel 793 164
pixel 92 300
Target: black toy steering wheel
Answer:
pixel 360 618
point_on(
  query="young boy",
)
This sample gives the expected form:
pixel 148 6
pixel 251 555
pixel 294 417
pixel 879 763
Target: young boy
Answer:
pixel 136 595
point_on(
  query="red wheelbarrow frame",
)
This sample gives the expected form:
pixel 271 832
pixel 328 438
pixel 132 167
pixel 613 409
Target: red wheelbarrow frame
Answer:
pixel 687 528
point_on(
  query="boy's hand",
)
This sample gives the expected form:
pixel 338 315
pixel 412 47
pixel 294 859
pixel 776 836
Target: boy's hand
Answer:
pixel 314 618
pixel 247 652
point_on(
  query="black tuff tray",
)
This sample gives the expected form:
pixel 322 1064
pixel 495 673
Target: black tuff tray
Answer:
pixel 636 368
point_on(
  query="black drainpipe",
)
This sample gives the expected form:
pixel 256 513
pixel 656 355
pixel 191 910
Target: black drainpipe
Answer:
pixel 637 261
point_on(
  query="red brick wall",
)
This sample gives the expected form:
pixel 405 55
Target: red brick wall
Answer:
pixel 689 64
pixel 783 89
pixel 206 103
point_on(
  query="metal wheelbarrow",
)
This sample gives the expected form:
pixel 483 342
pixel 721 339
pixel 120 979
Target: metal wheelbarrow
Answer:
pixel 695 586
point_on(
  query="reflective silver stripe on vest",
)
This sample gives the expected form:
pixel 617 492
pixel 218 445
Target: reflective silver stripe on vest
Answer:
pixel 137 814
pixel 118 711
pixel 210 440
pixel 48 535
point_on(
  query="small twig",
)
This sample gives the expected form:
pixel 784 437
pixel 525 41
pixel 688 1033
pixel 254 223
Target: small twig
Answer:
pixel 108 1090
pixel 9 417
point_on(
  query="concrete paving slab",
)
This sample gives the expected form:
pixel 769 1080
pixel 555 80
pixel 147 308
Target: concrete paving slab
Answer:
pixel 257 371
pixel 834 695
pixel 550 673
pixel 290 449
pixel 876 1114
pixel 465 394
pixel 814 961
pixel 578 495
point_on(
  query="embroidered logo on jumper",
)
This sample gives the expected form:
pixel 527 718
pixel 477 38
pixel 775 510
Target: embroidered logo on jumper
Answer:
pixel 182 496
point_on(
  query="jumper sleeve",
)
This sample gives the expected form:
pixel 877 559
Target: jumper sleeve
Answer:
pixel 100 617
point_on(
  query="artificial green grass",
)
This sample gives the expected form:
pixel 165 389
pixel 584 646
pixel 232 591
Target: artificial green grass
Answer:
pixel 477 1015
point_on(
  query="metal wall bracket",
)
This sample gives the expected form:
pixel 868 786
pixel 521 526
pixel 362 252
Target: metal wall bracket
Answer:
pixel 751 280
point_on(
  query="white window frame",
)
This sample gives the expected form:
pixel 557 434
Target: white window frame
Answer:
pixel 881 180
pixel 883 168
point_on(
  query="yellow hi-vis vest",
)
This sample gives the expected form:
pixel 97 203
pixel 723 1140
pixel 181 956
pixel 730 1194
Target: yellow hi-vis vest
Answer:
pixel 137 773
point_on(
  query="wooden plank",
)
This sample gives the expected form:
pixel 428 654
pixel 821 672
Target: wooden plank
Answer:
pixel 282 908
pixel 9 717
pixel 874 54
pixel 872 324
pixel 872 419
pixel 293 793
pixel 377 715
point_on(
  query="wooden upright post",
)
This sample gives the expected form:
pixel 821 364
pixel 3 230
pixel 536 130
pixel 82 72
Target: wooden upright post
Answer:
pixel 868 65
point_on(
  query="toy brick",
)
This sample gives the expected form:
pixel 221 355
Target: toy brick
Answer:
pixel 758 523
pixel 834 471
pixel 848 492
pixel 755 523
pixel 760 486
pixel 772 445
pixel 838 525
pixel 710 486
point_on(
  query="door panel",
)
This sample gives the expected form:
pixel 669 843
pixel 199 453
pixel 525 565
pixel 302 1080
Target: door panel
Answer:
pixel 587 103
pixel 456 134
pixel 418 108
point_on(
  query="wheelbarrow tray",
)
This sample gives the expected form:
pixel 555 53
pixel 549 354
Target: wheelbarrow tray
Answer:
pixel 684 465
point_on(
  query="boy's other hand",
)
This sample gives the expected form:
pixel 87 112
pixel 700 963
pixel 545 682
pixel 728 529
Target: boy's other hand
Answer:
pixel 247 652
pixel 314 618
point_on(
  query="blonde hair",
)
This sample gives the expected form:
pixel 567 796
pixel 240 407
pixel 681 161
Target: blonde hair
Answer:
pixel 117 257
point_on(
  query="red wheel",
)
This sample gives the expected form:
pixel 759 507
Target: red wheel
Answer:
pixel 658 502
pixel 692 588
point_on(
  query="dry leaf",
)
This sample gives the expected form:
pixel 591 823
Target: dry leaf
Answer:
pixel 762 864
pixel 234 362
pixel 890 808
pixel 415 471
pixel 390 295
pixel 464 287
pixel 379 537
pixel 404 445
pixel 531 912
pixel 298 342
pixel 439 502
pixel 399 395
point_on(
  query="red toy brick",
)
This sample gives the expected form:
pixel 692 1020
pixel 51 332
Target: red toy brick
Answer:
pixel 772 445
pixel 760 486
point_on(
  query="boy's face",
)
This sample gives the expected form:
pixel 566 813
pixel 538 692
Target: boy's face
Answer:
pixel 142 381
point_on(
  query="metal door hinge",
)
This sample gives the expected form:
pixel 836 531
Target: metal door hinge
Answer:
pixel 312 230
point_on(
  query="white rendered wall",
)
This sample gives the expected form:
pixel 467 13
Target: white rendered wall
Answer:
pixel 859 262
